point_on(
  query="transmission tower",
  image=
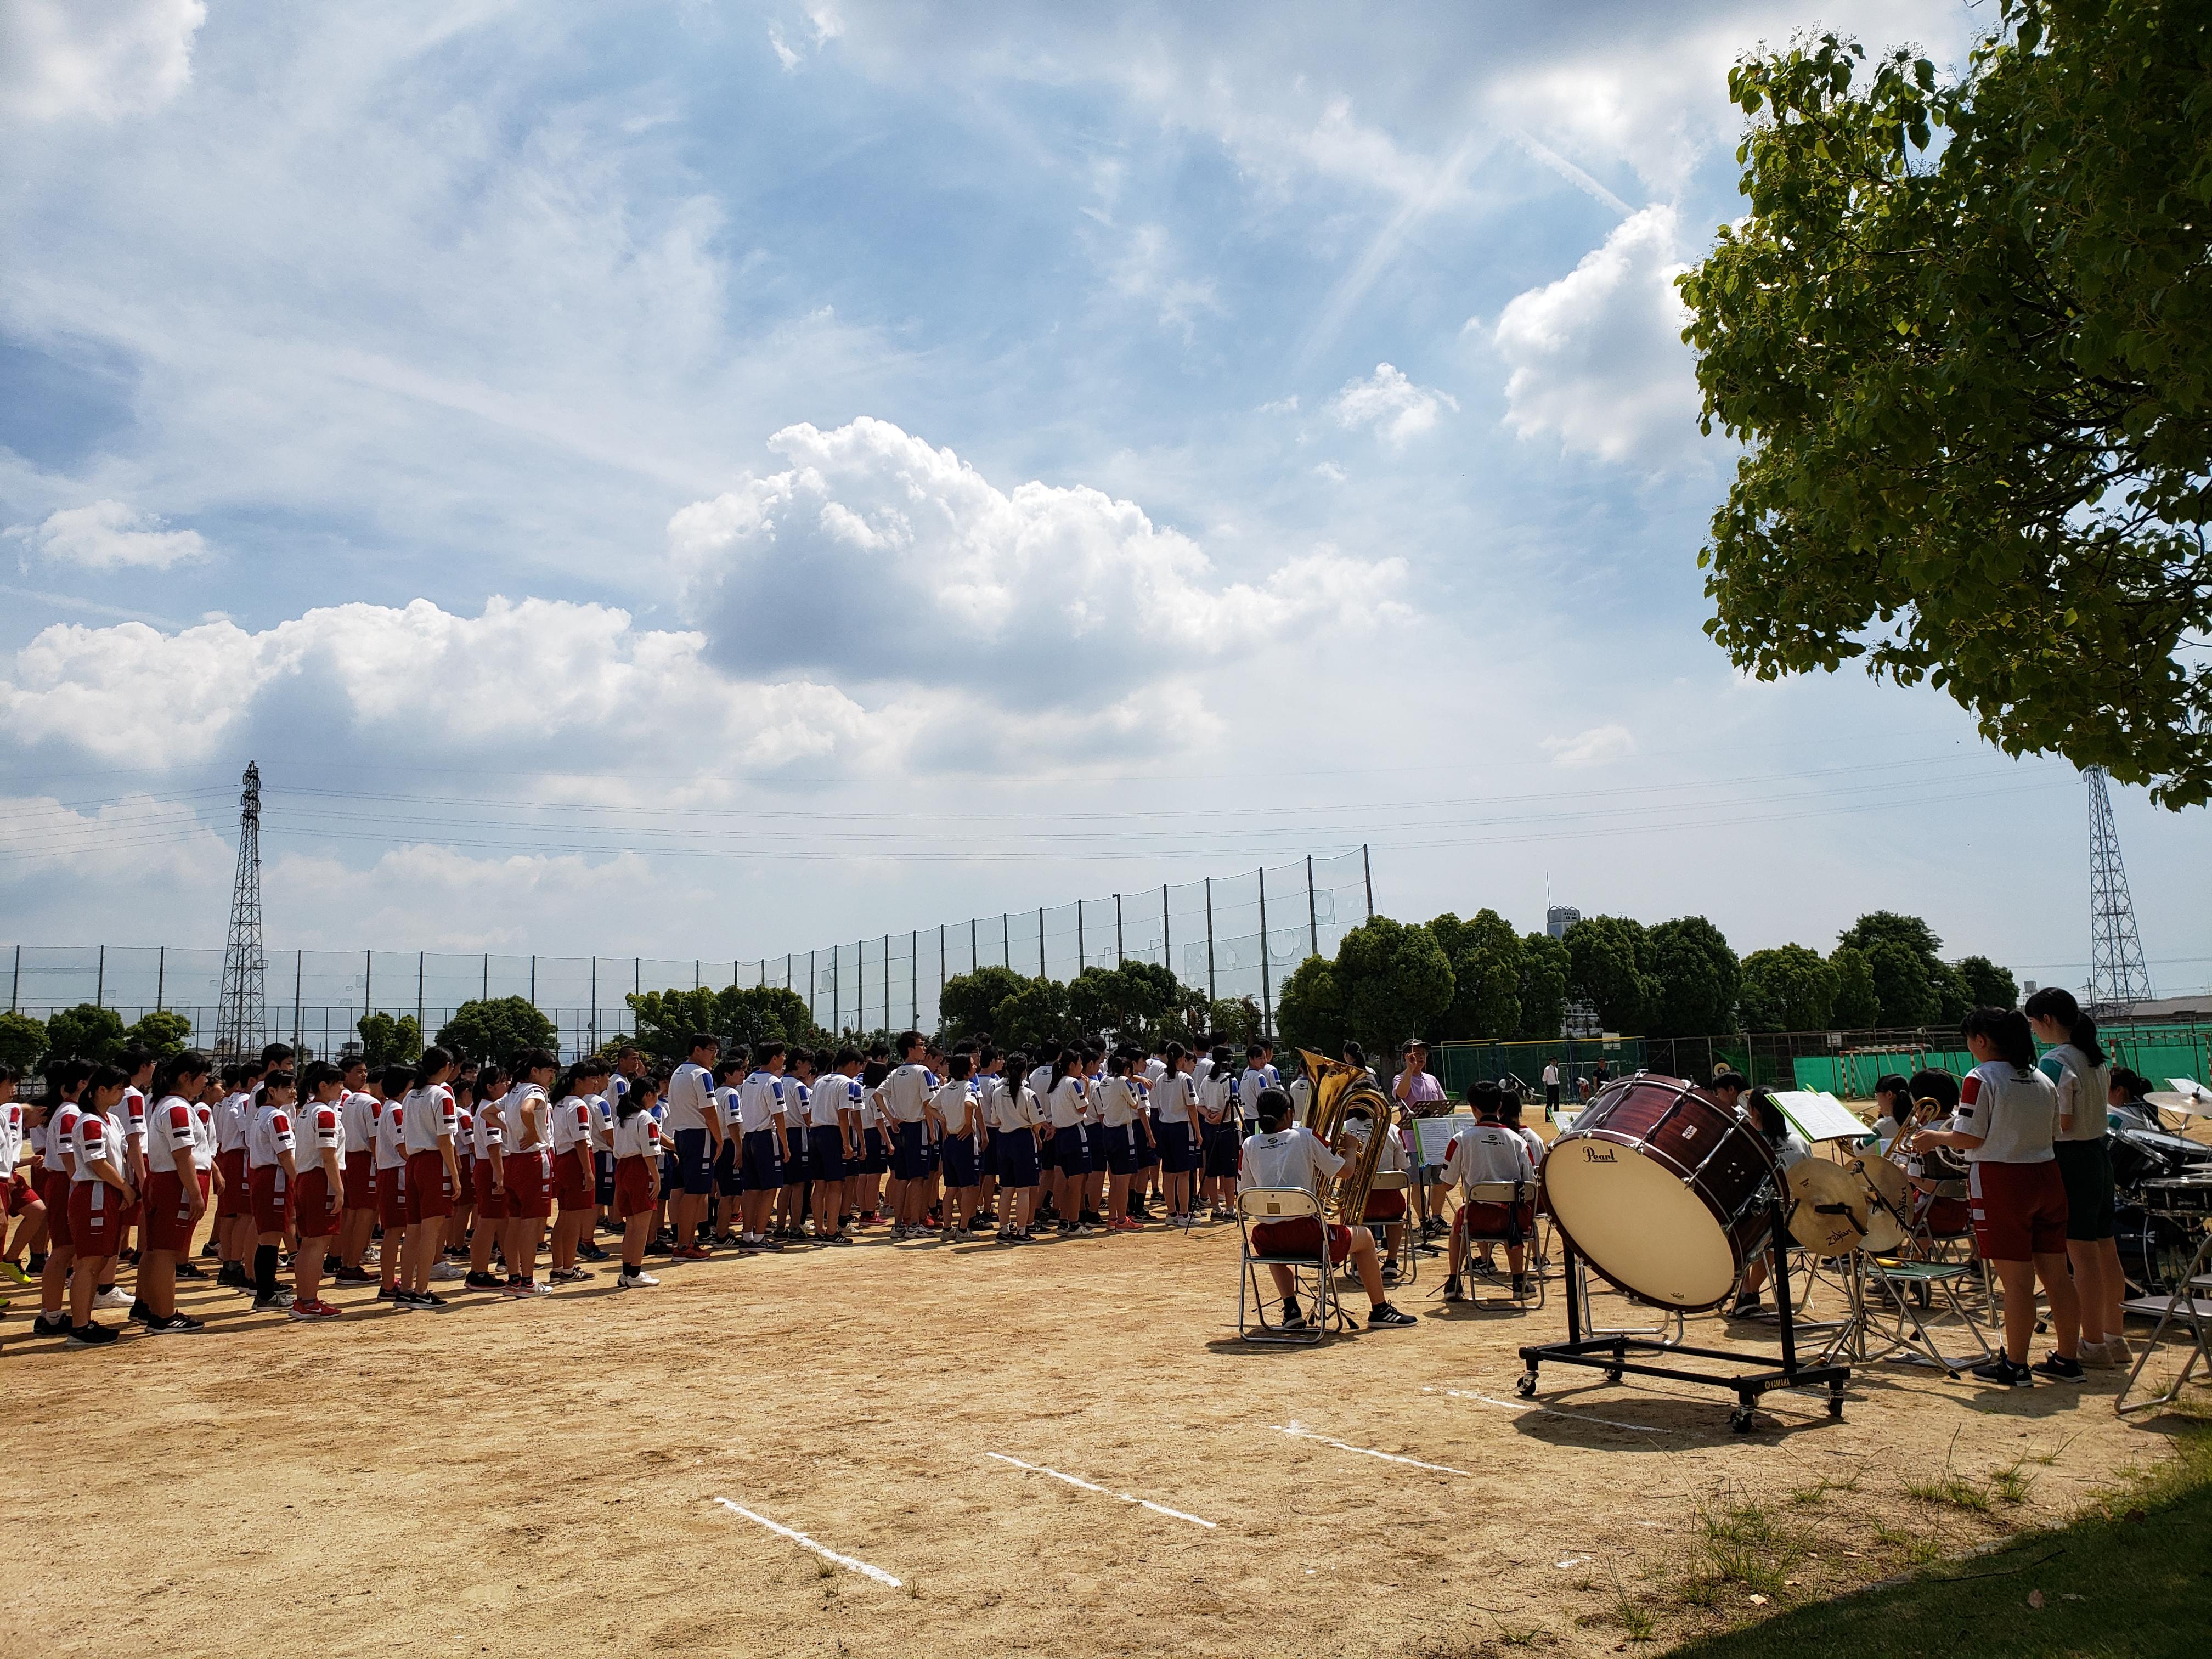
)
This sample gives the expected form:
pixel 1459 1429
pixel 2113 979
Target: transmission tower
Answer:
pixel 242 1019
pixel 2118 973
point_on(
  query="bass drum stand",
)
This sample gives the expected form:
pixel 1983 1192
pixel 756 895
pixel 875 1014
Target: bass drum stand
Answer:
pixel 1609 1352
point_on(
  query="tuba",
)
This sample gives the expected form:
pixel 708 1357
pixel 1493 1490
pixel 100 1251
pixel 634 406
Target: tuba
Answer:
pixel 1339 1087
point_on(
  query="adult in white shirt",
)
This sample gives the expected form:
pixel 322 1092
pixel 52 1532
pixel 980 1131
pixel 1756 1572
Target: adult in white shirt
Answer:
pixel 1283 1155
pixel 691 1125
pixel 1551 1087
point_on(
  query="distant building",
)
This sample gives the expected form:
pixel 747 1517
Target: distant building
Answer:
pixel 1559 918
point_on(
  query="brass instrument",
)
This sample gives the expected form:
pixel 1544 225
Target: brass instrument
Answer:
pixel 1339 1087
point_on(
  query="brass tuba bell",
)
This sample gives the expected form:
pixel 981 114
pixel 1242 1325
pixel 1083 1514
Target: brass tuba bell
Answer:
pixel 1339 1087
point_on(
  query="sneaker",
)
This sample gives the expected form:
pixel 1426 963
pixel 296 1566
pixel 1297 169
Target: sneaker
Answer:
pixel 451 1269
pixel 1294 1318
pixel 211 1249
pixel 593 1253
pixel 1384 1316
pixel 113 1296
pixel 2114 1355
pixel 627 1281
pixel 353 1276
pixel 190 1270
pixel 839 1237
pixel 280 1303
pixel 51 1325
pixel 176 1324
pixel 565 1276
pixel 2002 1372
pixel 1453 1293
pixel 1523 1285
pixel 14 1273
pixel 305 1311
pixel 139 1312
pixel 428 1299
pixel 389 1293
pixel 89 1336
pixel 524 1287
pixel 1084 1229
pixel 2059 1368
pixel 233 1276
pixel 1747 1307
pixel 692 1253
pixel 1389 1272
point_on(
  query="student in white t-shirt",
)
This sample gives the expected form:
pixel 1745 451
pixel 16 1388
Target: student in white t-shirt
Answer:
pixel 1175 1103
pixel 1489 1154
pixel 575 1173
pixel 959 1117
pixel 1016 1123
pixel 318 1200
pixel 1283 1155
pixel 2081 1072
pixel 362 1101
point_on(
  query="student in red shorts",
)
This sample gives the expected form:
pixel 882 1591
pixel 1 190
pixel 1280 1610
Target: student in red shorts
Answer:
pixel 67 1081
pixel 101 1195
pixel 319 1197
pixel 529 1170
pixel 358 1107
pixel 270 1170
pixel 1285 1155
pixel 431 1121
pixel 2006 1123
pixel 173 1200
pixel 637 1176
pixel 575 1172
pixel 392 1177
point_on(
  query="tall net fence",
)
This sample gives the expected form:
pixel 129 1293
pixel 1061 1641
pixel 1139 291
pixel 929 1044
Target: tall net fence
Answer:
pixel 1236 936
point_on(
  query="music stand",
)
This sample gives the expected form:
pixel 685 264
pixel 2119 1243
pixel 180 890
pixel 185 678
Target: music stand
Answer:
pixel 1610 1352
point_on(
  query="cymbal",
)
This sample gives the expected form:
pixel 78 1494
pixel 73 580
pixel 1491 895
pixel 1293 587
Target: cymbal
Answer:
pixel 2173 1100
pixel 1827 1207
pixel 1887 1179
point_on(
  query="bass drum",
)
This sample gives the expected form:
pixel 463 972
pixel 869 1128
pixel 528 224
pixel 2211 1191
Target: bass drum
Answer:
pixel 1662 1189
pixel 2155 1250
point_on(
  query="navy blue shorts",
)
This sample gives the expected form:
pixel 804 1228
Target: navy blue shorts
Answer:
pixel 727 1180
pixel 694 1165
pixel 1071 1152
pixel 825 1153
pixel 961 1166
pixel 1120 1148
pixel 670 1181
pixel 795 1172
pixel 603 1167
pixel 762 1162
pixel 911 1160
pixel 875 1157
pixel 1178 1152
pixel 1017 1150
pixel 1148 1146
pixel 1222 1148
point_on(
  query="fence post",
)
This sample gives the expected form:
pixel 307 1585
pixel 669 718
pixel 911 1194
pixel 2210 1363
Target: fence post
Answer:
pixel 1080 964
pixel 16 985
pixel 298 972
pixel 913 975
pixel 1121 956
pixel 591 1026
pixel 420 957
pixel 975 948
pixel 1166 937
pixel 160 975
pixel 533 978
pixel 487 976
pixel 100 979
pixel 368 969
pixel 1005 940
pixel 887 981
pixel 1266 999
pixel 859 980
pixel 1040 941
pixel 1367 871
pixel 1210 995
pixel 1313 912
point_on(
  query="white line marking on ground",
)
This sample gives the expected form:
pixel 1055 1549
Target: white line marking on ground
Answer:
pixel 1300 1431
pixel 1554 1410
pixel 805 1542
pixel 1077 1480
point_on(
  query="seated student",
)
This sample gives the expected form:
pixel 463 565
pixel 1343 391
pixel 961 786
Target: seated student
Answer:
pixel 1386 1209
pixel 1892 1108
pixel 1283 1155
pixel 1790 1150
pixel 1727 1087
pixel 1488 1154
pixel 2006 1124
pixel 1937 1174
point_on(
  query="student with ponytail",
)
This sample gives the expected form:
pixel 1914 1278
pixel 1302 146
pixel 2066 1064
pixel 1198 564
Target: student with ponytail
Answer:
pixel 430 1120
pixel 174 1199
pixel 2082 1071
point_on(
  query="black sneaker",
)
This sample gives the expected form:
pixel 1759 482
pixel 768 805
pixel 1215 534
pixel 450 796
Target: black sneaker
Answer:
pixel 176 1324
pixel 279 1302
pixel 482 1282
pixel 593 1253
pixel 1453 1293
pixel 1294 1318
pixel 212 1249
pixel 139 1312
pixel 54 1325
pixel 1523 1285
pixel 1384 1316
pixel 428 1299
pixel 346 1275
pixel 1747 1307
pixel 89 1336
pixel 188 1270
pixel 2002 1372
pixel 2059 1368
pixel 389 1293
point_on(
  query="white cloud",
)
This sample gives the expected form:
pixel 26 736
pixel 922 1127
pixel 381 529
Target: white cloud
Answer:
pixel 1397 409
pixel 1592 747
pixel 875 559
pixel 784 54
pixel 1330 471
pixel 136 839
pixel 1596 357
pixel 105 58
pixel 1147 269
pixel 109 535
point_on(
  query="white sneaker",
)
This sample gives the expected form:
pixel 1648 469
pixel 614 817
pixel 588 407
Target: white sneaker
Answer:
pixel 632 1281
pixel 116 1297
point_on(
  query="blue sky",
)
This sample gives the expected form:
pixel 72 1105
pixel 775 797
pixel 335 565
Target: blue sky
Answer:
pixel 1031 452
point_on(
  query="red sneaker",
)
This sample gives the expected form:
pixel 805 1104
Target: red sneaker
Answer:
pixel 691 1252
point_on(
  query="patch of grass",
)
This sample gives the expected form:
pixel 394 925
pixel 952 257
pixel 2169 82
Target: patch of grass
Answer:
pixel 1813 1496
pixel 1514 1638
pixel 1956 1490
pixel 1746 1545
pixel 2010 1484
pixel 1917 1548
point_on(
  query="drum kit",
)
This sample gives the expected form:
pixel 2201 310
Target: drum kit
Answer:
pixel 1671 1196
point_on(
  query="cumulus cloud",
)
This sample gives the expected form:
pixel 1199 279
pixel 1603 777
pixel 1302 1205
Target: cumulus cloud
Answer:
pixel 874 557
pixel 1392 404
pixel 64 57
pixel 1592 747
pixel 108 536
pixel 1597 359
pixel 136 839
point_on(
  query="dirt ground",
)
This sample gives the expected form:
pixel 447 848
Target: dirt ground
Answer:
pixel 526 1478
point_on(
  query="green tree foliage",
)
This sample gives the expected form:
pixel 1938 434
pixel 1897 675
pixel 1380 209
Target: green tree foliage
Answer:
pixel 1788 989
pixel 1856 1006
pixel 1879 926
pixel 1394 980
pixel 23 1041
pixel 1485 955
pixel 1692 979
pixel 1973 380
pixel 1138 1001
pixel 495 1029
pixel 84 1032
pixel 1308 1012
pixel 1035 1019
pixel 385 1041
pixel 736 1016
pixel 1987 984
pixel 1610 957
pixel 1903 989
pixel 161 1033
pixel 1545 968
pixel 1237 1018
pixel 970 1001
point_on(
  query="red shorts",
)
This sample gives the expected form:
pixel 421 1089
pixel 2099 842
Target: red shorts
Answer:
pixel 1944 1218
pixel 318 1207
pixel 1301 1237
pixel 1385 1207
pixel 430 1188
pixel 493 1204
pixel 637 1188
pixel 528 1185
pixel 392 1199
pixel 168 1211
pixel 272 1198
pixel 21 1195
pixel 95 1219
pixel 59 1235
pixel 2020 1210
pixel 235 1200
pixel 361 1181
pixel 1485 1221
pixel 571 1185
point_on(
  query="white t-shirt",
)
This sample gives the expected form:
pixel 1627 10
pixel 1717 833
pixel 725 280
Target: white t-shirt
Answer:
pixel 726 1107
pixel 1040 1081
pixel 430 1118
pixel 1172 1097
pixel 603 1125
pixel 61 1137
pixel 957 1106
pixel 638 1135
pixel 203 1136
pixel 230 1123
pixel 688 1096
pixel 2083 1092
pixel 1250 1082
pixel 2016 1113
pixel 526 1109
pixel 1118 1105
pixel 760 1098
pixel 1535 1142
pixel 1065 1103
pixel 268 1133
pixel 904 1093
pixel 831 1099
pixel 1487 1152
pixel 797 1105
pixel 359 1121
pixel 390 1136
pixel 96 1137
pixel 1287 1157
pixel 131 1113
pixel 322 1124
pixel 488 1127
pixel 1213 1094
pixel 172 1136
pixel 571 1124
